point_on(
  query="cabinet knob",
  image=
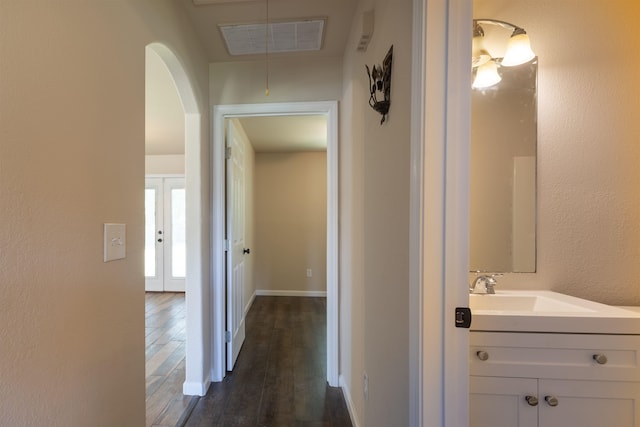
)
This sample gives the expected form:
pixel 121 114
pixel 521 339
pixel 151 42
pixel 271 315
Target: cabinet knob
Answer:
pixel 601 359
pixel 531 400
pixel 551 400
pixel 482 355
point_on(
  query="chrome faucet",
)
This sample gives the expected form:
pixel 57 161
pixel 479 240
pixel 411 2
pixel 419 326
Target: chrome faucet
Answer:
pixel 483 284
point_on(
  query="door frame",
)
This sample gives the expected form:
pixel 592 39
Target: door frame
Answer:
pixel 439 263
pixel 220 113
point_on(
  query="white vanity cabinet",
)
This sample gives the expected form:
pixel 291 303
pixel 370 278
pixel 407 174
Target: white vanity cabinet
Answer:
pixel 554 380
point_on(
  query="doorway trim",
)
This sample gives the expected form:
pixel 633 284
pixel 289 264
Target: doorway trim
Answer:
pixel 439 264
pixel 220 113
pixel 196 372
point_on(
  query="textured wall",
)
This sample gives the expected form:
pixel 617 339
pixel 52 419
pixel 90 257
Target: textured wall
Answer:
pixel 375 167
pixel 314 79
pixel 71 158
pixel 290 221
pixel 588 151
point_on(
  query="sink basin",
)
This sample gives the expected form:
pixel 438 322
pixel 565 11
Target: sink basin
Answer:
pixel 548 311
pixel 523 303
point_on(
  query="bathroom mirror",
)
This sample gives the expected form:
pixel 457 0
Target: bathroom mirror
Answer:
pixel 503 173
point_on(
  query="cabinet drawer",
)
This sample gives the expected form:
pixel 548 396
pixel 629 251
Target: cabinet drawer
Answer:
pixel 570 356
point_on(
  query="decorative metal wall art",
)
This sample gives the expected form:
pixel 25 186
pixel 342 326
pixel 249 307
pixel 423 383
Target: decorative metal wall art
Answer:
pixel 380 84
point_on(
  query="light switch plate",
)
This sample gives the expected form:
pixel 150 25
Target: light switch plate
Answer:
pixel 114 241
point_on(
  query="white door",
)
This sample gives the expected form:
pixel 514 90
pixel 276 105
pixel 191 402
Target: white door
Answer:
pixel 165 248
pixel 236 247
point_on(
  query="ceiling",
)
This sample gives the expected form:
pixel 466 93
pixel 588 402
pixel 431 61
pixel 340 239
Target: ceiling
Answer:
pixel 164 114
pixel 286 133
pixel 206 18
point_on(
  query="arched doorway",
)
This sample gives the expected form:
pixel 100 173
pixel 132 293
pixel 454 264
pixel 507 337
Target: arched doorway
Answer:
pixel 196 301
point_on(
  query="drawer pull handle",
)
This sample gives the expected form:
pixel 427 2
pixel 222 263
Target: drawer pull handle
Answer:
pixel 531 400
pixel 482 355
pixel 601 359
pixel 551 400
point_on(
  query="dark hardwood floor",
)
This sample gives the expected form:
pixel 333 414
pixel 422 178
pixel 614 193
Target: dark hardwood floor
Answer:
pixel 280 377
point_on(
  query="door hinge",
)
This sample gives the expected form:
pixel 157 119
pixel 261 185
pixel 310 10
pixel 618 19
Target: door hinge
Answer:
pixel 227 153
pixel 226 245
pixel 227 336
pixel 463 317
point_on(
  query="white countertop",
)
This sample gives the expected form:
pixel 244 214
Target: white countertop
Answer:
pixel 550 312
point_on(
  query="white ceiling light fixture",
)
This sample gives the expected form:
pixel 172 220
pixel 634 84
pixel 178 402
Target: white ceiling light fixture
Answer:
pixel 284 36
pixel 484 65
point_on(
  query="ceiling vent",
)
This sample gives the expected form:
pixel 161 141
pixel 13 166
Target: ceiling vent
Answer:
pixel 284 36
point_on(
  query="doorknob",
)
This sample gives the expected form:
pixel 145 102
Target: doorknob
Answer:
pixel 246 251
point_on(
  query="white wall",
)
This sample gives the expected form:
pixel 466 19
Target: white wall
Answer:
pixel 588 151
pixel 291 222
pixel 314 79
pixel 164 164
pixel 71 158
pixel 375 167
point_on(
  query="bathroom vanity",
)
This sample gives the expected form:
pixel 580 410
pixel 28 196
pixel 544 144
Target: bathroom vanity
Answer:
pixel 545 359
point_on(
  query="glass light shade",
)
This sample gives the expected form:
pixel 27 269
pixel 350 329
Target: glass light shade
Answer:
pixel 518 51
pixel 479 55
pixel 486 76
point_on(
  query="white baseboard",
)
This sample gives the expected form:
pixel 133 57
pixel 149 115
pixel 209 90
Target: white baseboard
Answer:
pixel 196 388
pixel 347 398
pixel 270 293
pixel 250 303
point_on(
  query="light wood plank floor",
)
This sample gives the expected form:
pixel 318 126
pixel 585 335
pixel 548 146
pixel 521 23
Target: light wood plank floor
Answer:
pixel 165 354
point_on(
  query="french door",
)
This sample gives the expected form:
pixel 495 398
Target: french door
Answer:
pixel 165 246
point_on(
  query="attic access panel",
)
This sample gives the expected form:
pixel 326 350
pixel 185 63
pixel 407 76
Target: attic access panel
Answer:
pixel 290 36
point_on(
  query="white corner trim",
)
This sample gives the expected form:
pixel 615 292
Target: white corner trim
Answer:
pixel 196 389
pixel 346 392
pixel 275 293
pixel 250 303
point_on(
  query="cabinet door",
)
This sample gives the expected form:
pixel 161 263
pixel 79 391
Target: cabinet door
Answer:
pixel 589 403
pixel 501 402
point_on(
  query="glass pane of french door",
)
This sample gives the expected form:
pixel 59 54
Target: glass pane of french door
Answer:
pixel 178 235
pixel 150 232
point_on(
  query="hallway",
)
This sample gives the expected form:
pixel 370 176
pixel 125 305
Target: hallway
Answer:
pixel 280 376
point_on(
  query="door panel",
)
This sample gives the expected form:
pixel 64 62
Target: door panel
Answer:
pixel 500 402
pixel 590 403
pixel 236 251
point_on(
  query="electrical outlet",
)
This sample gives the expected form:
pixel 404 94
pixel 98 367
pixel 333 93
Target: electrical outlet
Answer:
pixel 366 386
pixel 309 272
